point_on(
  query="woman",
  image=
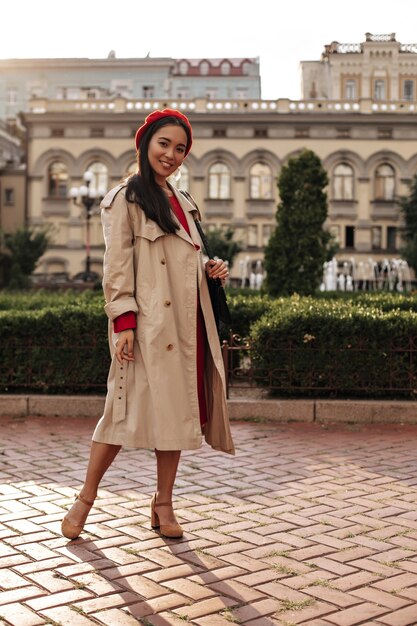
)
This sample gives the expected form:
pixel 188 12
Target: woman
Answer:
pixel 166 386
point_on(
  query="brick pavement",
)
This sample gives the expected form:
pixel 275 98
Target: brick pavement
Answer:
pixel 308 524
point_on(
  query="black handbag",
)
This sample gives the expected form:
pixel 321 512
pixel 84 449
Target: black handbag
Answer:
pixel 216 290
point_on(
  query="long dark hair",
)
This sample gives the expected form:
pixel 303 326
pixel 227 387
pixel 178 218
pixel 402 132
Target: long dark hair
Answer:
pixel 142 187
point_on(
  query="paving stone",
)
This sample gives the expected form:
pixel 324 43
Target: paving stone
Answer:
pixel 305 525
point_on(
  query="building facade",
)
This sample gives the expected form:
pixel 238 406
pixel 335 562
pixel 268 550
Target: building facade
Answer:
pixel 12 178
pixel 143 78
pixel 239 148
pixel 366 142
pixel 380 68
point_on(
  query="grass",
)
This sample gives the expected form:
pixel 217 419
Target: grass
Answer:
pixel 284 569
pixel 322 582
pixel 279 553
pixel 292 605
pixel 228 614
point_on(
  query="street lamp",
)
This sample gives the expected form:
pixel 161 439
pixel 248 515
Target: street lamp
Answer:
pixel 87 196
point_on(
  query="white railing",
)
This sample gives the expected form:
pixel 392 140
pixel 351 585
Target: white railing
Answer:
pixel 203 105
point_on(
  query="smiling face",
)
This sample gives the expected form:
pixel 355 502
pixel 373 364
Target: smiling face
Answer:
pixel 166 151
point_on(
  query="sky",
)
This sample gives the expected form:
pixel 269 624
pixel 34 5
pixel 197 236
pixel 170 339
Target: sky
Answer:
pixel 281 33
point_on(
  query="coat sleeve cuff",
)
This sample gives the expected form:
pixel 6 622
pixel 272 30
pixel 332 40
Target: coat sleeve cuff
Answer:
pixel 125 321
pixel 118 307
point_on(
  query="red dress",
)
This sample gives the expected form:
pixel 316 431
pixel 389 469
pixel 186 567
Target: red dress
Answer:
pixel 128 320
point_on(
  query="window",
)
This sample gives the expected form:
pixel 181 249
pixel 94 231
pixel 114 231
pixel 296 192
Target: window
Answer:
pixel 379 90
pixel 343 182
pixel 260 182
pixel 225 68
pixel 99 181
pixel 132 168
pixel 35 89
pixel 11 96
pixel 343 132
pixel 267 230
pixel 73 93
pixel 350 89
pixel 384 133
pixel 408 90
pixel 241 93
pixel 253 236
pixel 301 132
pixel 376 237
pixel 384 182
pixel 335 233
pixel 57 180
pixel 246 68
pixel 57 132
pixel 219 132
pixel 183 67
pixel 392 238
pixel 184 180
pixel 9 196
pixel 349 236
pixel 61 93
pixel 123 89
pixel 183 93
pixel 211 93
pixel 97 131
pixel 147 91
pixel 204 68
pixel 219 181
pixel 260 133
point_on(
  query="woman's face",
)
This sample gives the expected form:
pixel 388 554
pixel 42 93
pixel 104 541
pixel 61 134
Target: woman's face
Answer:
pixel 166 151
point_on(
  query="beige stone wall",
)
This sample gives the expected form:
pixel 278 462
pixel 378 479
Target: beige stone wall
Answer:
pixel 12 201
pixel 269 133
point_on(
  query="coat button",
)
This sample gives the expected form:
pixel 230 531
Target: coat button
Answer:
pixel 163 261
pixel 167 303
pixel 170 346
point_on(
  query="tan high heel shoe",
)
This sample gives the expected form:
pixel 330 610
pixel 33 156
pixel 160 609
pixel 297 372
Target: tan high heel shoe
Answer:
pixel 72 531
pixel 171 531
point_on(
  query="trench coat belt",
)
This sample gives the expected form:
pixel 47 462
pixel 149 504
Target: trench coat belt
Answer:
pixel 120 392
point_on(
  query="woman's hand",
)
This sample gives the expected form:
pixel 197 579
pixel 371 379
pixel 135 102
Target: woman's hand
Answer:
pixel 124 346
pixel 217 269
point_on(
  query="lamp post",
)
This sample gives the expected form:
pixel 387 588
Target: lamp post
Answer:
pixel 86 196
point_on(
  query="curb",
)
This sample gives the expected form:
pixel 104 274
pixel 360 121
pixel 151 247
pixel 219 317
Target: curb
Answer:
pixel 263 410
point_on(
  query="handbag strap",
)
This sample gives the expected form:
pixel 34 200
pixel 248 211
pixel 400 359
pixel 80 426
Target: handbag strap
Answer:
pixel 198 225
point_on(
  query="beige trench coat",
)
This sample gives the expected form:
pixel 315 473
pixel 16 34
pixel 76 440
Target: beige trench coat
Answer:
pixel 153 401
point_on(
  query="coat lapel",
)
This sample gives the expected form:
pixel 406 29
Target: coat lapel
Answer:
pixel 190 213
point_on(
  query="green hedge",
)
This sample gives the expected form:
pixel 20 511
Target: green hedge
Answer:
pixel 362 346
pixel 313 347
pixel 58 350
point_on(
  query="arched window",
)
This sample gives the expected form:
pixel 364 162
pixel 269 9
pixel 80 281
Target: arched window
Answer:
pixel 204 68
pixel 184 179
pixel 384 182
pixel 219 181
pixel 57 180
pixel 260 182
pixel 100 177
pixel 132 168
pixel 225 68
pixel 183 67
pixel 343 177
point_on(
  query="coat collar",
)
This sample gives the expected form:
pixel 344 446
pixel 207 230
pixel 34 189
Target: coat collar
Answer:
pixel 191 213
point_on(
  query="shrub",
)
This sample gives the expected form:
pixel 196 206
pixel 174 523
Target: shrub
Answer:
pixel 307 347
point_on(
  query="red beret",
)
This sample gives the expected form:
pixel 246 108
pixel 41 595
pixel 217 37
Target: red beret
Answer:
pixel 157 115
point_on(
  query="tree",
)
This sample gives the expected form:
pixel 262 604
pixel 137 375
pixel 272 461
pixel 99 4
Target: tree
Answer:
pixel 299 246
pixel 21 252
pixel 408 207
pixel 222 244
